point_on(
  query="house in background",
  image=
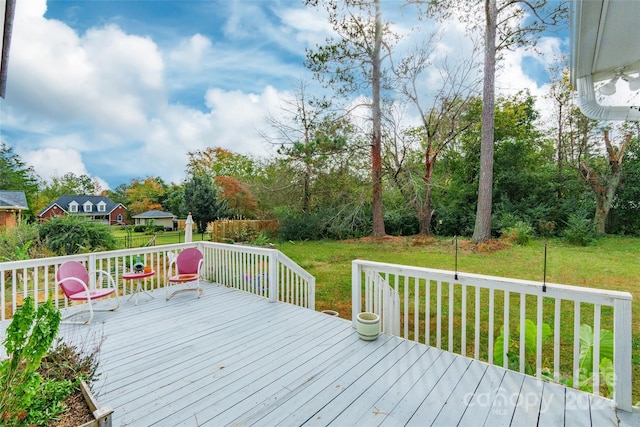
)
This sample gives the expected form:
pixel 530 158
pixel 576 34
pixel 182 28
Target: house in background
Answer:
pixel 168 220
pixel 12 203
pixel 94 208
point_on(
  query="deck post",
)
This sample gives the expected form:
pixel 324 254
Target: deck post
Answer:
pixel 92 266
pixel 273 276
pixel 622 354
pixel 356 291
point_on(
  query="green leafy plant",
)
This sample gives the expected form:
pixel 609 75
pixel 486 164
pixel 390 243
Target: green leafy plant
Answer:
pixel 29 336
pixel 586 373
pixel 605 364
pixel 521 232
pixel 513 354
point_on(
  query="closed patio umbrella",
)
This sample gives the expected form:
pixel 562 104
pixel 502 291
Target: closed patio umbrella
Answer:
pixel 188 229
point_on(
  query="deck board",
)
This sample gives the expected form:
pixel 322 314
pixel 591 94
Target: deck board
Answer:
pixel 230 358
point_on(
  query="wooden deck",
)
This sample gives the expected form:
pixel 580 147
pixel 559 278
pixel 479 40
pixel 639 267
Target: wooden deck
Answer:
pixel 231 358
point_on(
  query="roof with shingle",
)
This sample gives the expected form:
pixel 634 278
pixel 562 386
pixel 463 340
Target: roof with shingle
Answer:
pixel 154 214
pixel 13 199
pixel 64 201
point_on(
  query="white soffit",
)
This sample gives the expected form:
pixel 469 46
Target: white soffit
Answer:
pixel 605 35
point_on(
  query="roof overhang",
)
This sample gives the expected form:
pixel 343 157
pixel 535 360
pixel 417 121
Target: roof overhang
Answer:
pixel 604 43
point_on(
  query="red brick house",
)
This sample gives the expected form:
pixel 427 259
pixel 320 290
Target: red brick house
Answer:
pixel 95 208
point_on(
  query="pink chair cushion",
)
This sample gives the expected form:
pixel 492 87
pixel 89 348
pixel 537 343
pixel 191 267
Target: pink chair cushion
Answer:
pixel 74 270
pixel 188 261
pixel 93 294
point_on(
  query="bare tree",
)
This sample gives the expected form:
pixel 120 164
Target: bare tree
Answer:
pixel 440 121
pixel 306 133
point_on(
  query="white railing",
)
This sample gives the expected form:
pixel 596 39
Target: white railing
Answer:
pixel 265 272
pixel 379 298
pixel 463 312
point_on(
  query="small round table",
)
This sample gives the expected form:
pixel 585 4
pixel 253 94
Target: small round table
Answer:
pixel 138 276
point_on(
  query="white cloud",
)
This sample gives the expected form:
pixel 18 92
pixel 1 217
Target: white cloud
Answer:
pixel 191 53
pixel 107 102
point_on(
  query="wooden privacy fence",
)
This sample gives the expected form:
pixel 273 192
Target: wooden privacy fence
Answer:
pixel 240 230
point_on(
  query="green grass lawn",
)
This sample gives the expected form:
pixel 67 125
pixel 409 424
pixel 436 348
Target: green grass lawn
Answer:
pixel 612 263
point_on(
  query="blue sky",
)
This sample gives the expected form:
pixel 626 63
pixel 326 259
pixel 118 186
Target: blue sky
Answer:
pixel 124 89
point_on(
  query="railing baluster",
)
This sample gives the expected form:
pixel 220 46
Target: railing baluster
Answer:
pixel 476 337
pixel 539 337
pixel 506 341
pixel 463 326
pixel 439 314
pixel 491 315
pixel 556 340
pixel 596 349
pixel 523 324
pixel 576 344
pixel 406 307
pixel 451 314
pixel 416 311
pixel 427 311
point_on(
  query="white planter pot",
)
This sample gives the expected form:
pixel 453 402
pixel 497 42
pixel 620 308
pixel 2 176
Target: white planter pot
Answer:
pixel 368 326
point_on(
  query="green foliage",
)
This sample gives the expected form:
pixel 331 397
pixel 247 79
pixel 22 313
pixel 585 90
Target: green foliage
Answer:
pixel 580 230
pixel 69 234
pixel 324 224
pixel 201 199
pixel 520 233
pixel 401 222
pixel 29 336
pixel 16 175
pixel 513 354
pixel 21 243
pixel 624 218
pixel 585 359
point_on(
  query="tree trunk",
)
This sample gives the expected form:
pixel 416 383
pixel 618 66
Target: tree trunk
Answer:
pixel 306 203
pixel 378 229
pixel 482 230
pixel 560 152
pixel 605 188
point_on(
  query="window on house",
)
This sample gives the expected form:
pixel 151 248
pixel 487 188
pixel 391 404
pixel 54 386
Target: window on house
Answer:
pixel 88 207
pixel 73 207
pixel 102 207
pixel 119 218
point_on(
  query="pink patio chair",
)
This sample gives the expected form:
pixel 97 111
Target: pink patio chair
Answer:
pixel 73 279
pixel 187 264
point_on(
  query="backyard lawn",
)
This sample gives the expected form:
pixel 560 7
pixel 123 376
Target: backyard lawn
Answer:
pixel 612 263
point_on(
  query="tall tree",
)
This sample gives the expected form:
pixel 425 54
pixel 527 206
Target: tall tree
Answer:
pixel 201 199
pixel 218 161
pixel 145 194
pixel 353 61
pixel 16 175
pixel 506 24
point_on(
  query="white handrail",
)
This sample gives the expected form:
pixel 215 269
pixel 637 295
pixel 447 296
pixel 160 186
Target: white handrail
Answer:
pixel 425 292
pixel 264 272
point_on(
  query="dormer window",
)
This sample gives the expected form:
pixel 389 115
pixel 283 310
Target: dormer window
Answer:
pixel 88 206
pixel 73 207
pixel 102 207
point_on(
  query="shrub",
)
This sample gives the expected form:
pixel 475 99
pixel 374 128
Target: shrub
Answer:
pixel 580 230
pixel 399 222
pixel 67 235
pixel 520 233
